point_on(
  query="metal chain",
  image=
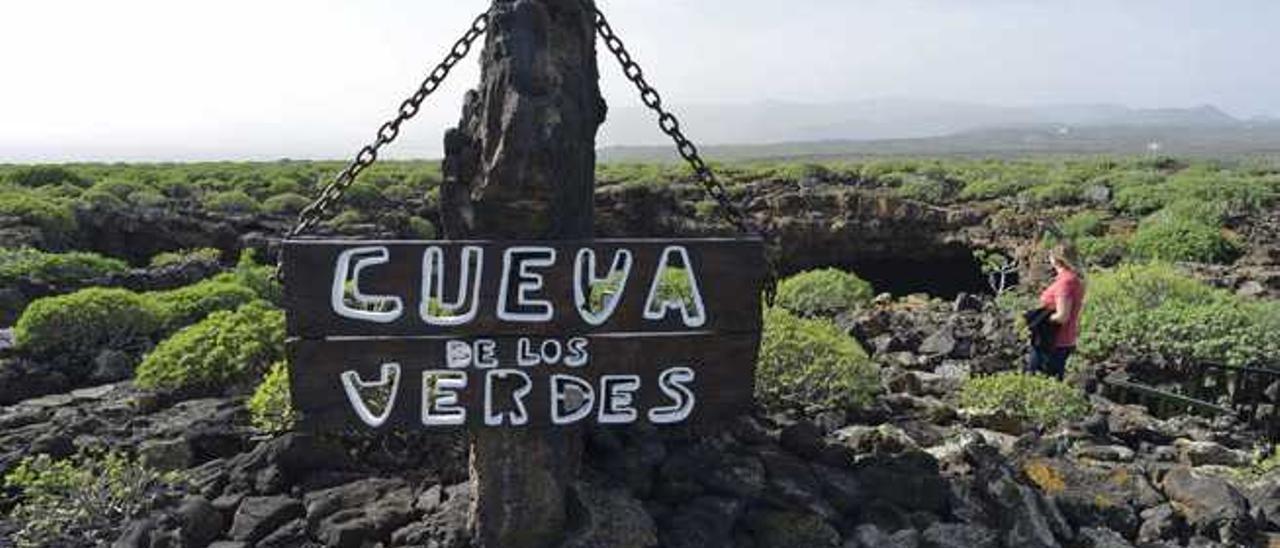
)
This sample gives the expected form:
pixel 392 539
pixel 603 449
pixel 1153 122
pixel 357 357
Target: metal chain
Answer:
pixel 332 192
pixel 728 209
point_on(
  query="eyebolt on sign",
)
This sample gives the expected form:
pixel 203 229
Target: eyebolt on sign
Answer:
pixel 487 334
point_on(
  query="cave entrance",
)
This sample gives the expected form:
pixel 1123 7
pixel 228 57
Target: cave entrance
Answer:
pixel 944 271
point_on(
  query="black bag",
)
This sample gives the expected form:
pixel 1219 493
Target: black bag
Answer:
pixel 1043 331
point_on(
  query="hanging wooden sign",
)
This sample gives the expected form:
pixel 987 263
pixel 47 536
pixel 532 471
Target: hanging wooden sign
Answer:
pixel 421 334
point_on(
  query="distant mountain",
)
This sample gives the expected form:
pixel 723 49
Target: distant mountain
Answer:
pixel 910 126
pixel 777 121
pixel 1202 141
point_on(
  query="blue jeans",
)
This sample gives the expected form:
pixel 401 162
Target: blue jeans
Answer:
pixel 1049 362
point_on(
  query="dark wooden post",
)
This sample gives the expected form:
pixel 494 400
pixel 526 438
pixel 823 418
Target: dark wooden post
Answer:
pixel 520 165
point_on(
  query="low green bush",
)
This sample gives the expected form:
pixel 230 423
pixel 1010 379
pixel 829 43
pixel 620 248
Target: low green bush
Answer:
pixel 270 407
pixel 926 189
pixel 148 198
pixel 1141 199
pixel 1052 194
pixel 400 194
pixel 283 185
pixel 1084 224
pixel 421 229
pixel 44 175
pixel 121 188
pixel 1034 399
pixel 55 268
pixel 74 327
pixel 285 204
pixel 200 255
pixel 226 348
pixel 1177 239
pixel 186 305
pixel 258 277
pixel 1209 213
pixel 231 201
pixel 993 187
pixel 83 500
pixel 823 292
pixel 1155 310
pixel 54 219
pixel 100 201
pixel 810 364
pixel 1103 251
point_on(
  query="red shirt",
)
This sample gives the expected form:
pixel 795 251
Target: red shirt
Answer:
pixel 1068 284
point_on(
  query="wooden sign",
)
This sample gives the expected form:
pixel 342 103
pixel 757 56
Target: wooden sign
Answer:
pixel 422 334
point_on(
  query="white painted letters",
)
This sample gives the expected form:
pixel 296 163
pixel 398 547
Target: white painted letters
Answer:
pixel 674 384
pixel 571 399
pixel 440 398
pixel 370 306
pixel 435 310
pixel 693 313
pixel 353 384
pixel 527 283
pixel 617 398
pixel 585 282
pixel 516 417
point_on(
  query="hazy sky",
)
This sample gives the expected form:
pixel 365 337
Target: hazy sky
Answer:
pixel 265 79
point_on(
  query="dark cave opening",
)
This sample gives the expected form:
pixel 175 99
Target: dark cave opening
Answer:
pixel 942 272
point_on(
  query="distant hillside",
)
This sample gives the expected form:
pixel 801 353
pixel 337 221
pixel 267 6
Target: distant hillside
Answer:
pixel 777 122
pixel 913 126
pixel 1238 139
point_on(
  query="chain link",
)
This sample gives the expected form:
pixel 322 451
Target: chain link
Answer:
pixel 670 125
pixel 388 132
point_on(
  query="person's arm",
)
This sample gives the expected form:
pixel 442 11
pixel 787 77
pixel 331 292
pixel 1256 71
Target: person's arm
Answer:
pixel 1062 308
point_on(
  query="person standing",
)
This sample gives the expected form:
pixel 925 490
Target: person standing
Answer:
pixel 1063 301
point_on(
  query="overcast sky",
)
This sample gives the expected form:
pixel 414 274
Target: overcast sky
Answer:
pixel 265 79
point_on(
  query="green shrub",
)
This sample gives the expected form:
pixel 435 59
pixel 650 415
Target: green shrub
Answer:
pixel 1052 194
pixel 270 408
pixel 994 187
pixel 76 326
pixel 231 201
pixel 285 204
pixel 1083 224
pixel 823 292
pixel 45 175
pixel 54 219
pixel 926 189
pixel 120 188
pixel 82 500
pixel 55 268
pixel 421 228
pixel 1032 398
pixel 1209 213
pixel 400 194
pixel 1142 199
pixel 809 364
pixel 346 219
pixel 284 186
pixel 1177 239
pixel 99 200
pixel 1155 310
pixel 200 255
pixel 187 305
pixel 148 198
pixel 1103 250
pixel 260 278
pixel 363 195
pixel 225 348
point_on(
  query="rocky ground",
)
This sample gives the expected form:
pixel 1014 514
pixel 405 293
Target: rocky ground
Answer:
pixel 911 470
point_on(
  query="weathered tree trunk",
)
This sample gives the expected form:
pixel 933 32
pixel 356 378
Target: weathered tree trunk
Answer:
pixel 521 165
